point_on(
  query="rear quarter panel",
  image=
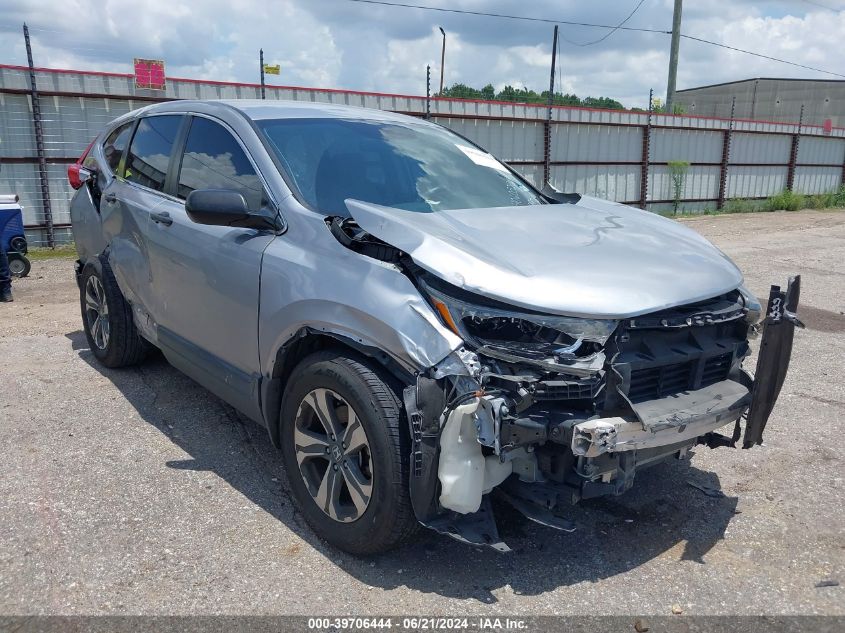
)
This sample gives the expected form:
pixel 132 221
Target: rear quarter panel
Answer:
pixel 87 226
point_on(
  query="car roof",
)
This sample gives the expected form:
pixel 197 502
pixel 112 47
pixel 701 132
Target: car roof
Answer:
pixel 259 109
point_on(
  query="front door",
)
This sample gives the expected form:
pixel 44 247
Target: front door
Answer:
pixel 206 278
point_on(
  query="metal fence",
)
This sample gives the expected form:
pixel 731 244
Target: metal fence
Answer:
pixel 618 155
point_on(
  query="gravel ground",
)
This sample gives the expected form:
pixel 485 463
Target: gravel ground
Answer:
pixel 138 492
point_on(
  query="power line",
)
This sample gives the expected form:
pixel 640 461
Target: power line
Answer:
pixel 614 29
pixel 823 6
pixel 620 27
pixel 774 59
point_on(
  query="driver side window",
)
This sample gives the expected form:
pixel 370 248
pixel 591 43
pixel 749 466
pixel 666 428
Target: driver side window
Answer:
pixel 213 159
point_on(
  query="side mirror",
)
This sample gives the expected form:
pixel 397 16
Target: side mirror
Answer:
pixel 223 207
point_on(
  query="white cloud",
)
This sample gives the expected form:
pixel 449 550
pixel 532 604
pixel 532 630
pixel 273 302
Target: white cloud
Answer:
pixel 336 43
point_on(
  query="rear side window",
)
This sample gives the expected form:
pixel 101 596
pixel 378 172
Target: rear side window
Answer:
pixel 150 151
pixel 115 145
pixel 214 160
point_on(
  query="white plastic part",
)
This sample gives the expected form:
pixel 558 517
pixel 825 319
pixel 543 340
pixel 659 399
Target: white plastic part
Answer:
pixel 495 472
pixel 461 468
pixel 464 473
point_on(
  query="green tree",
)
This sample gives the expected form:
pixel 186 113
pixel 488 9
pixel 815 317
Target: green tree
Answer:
pixel 678 173
pixel 526 95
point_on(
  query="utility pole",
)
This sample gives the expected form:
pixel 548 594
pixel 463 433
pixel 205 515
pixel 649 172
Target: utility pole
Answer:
pixel 39 144
pixel 442 60
pixel 261 62
pixel 547 136
pixel 673 56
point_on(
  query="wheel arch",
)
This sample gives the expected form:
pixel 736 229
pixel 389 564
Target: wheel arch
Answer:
pixel 305 342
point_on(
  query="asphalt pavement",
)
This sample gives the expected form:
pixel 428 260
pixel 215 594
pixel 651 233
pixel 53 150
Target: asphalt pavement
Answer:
pixel 138 492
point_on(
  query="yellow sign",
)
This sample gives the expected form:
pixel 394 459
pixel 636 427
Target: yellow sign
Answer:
pixel 272 70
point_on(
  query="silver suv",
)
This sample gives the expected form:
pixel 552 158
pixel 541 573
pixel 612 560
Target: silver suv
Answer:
pixel 416 325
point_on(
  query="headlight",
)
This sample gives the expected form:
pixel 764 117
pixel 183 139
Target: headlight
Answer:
pixel 524 334
pixel 753 309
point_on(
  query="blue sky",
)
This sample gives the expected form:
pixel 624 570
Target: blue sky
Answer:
pixel 344 44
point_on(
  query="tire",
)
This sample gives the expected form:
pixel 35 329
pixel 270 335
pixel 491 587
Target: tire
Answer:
pixel 115 342
pixel 348 381
pixel 18 244
pixel 19 265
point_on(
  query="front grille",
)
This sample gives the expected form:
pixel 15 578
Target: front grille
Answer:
pixel 664 355
pixel 716 369
pixel 658 382
pixel 651 383
pixel 584 389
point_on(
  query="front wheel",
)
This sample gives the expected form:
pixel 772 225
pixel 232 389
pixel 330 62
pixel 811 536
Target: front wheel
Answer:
pixel 346 452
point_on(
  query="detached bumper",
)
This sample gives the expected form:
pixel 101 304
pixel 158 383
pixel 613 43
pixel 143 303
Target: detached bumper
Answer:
pixel 773 359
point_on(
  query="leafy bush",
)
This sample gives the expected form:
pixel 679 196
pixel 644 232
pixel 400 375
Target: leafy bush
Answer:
pixel 785 201
pixel 819 201
pixel 739 205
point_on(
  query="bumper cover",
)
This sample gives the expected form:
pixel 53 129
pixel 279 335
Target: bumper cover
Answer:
pixel 773 360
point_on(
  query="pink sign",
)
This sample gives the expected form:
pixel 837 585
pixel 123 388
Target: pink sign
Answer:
pixel 149 74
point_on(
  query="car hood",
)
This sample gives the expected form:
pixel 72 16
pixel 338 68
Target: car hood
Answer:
pixel 593 258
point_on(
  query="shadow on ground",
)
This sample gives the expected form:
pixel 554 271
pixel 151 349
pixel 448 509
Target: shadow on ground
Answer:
pixel 614 534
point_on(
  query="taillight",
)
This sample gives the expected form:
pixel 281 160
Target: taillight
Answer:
pixel 75 178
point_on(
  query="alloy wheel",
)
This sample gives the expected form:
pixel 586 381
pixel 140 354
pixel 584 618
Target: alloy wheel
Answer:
pixel 97 312
pixel 333 454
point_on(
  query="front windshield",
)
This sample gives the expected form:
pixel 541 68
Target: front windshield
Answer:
pixel 404 165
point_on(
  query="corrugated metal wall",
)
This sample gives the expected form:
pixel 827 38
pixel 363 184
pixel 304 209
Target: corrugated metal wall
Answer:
pixel 594 152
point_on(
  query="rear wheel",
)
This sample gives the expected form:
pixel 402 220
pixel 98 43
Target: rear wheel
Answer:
pixel 345 449
pixel 107 318
pixel 19 265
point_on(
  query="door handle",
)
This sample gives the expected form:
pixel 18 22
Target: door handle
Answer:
pixel 162 218
pixel 110 198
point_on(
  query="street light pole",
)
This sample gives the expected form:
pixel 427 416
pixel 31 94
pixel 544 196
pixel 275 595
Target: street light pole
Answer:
pixel 442 60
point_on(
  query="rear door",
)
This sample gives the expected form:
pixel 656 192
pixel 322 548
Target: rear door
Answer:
pixel 206 278
pixel 126 203
pixel 103 162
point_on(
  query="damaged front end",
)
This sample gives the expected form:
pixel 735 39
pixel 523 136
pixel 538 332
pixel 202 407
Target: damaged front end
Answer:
pixel 548 410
